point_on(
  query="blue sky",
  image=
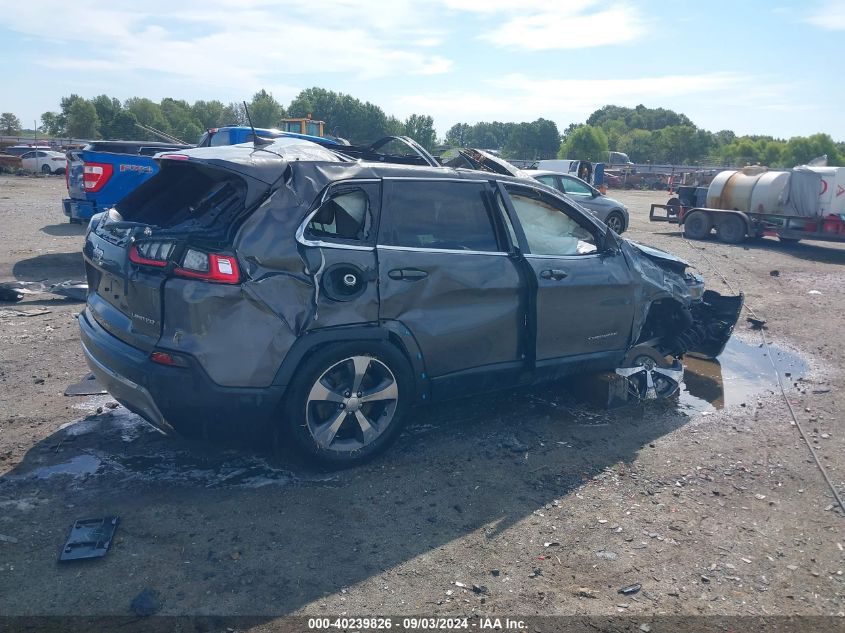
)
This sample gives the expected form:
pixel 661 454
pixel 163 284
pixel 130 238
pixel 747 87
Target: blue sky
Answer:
pixel 753 66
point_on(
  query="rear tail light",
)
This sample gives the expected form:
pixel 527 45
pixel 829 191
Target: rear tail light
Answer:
pixel 209 266
pixel 174 156
pixel 95 176
pixel 151 253
pixel 57 158
pixel 166 358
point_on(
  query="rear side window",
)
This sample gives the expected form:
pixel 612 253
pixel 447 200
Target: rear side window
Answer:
pixel 346 214
pixel 437 214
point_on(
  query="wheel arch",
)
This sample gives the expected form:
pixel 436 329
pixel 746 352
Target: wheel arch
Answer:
pixel 391 332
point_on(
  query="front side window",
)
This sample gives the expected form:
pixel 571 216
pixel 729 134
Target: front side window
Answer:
pixel 437 214
pixel 548 180
pixel 548 229
pixel 575 187
pixel 345 215
pixel 221 137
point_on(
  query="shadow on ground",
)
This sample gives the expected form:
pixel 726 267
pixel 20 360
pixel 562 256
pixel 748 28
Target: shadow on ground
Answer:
pixel 64 229
pixel 51 267
pixel 235 532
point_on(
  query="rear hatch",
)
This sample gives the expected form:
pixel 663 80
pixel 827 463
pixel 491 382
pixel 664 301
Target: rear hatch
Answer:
pixel 179 223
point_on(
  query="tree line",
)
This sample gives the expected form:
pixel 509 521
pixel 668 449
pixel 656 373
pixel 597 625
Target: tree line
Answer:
pixel 655 135
pixel 661 136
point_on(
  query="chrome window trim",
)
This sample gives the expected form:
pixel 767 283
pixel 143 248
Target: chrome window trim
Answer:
pixel 430 179
pixel 300 232
pixel 420 249
pixel 573 257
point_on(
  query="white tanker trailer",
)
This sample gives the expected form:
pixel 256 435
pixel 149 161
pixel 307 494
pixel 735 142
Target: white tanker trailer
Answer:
pixel 807 202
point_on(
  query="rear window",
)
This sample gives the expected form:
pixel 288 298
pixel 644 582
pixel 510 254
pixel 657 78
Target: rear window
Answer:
pixel 437 214
pixel 191 197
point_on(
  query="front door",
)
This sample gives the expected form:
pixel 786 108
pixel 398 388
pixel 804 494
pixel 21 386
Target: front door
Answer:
pixel 445 274
pixel 584 298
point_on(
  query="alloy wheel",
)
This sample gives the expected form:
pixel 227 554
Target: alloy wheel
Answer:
pixel 352 403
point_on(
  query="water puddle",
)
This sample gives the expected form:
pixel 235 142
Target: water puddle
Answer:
pixel 78 466
pixel 741 372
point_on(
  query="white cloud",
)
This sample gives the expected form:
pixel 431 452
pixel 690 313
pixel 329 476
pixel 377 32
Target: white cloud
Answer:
pixel 517 97
pixel 829 16
pixel 567 26
pixel 219 42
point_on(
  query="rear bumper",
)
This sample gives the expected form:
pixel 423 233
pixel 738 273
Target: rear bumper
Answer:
pixel 78 209
pixel 181 399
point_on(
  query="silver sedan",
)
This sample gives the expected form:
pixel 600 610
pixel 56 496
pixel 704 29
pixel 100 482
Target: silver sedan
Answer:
pixel 610 211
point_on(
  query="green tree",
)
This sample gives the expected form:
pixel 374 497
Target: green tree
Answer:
pixel 147 113
pixel 207 113
pixel 802 149
pixel 180 120
pixel 265 110
pixel 360 122
pixel 82 120
pixel 640 145
pixel 420 127
pixel 232 114
pixel 10 125
pixel 50 123
pixel 458 134
pixel 123 126
pixel 585 143
pixel 107 108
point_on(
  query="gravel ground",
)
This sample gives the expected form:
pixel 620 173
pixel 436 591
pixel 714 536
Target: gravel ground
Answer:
pixel 526 502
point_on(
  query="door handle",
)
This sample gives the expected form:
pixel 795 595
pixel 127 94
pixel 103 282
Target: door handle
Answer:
pixel 407 274
pixel 554 273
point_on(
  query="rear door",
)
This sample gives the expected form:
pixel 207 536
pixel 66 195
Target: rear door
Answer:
pixel 584 298
pixel 445 273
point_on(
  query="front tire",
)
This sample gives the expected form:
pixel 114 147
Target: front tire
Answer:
pixel 45 169
pixel 697 225
pixel 615 221
pixel 347 402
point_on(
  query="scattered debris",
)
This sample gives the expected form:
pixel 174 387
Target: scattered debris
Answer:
pixel 586 592
pixel 146 603
pixel 480 589
pixel 814 292
pixel 629 590
pixel 757 324
pixel 607 555
pixel 89 538
pixel 15 290
pixel 818 391
pixel 774 273
pixel 7 539
pixel 74 290
pixel 88 386
pixel 458 583
pixel 23 312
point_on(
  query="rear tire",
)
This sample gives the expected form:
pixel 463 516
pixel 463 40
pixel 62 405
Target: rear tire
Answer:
pixel 326 418
pixel 697 225
pixel 45 169
pixel 731 229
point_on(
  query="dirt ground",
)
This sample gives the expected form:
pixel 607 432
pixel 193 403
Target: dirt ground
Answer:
pixel 524 503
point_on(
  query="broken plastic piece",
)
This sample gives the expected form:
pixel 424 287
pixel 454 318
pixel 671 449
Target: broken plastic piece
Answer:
pixel 75 290
pixel 88 386
pixel 89 538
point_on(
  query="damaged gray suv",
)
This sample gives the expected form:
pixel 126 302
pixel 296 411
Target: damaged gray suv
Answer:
pixel 324 293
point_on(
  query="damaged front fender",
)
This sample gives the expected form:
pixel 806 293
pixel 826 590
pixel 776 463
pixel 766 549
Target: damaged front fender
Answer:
pixel 676 314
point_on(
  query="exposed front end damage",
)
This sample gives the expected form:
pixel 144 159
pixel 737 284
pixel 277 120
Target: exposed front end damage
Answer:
pixel 676 314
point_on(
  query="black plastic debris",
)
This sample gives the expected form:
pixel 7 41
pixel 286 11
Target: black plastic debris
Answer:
pixel 88 386
pixel 757 324
pixel 89 538
pixel 629 590
pixel 15 290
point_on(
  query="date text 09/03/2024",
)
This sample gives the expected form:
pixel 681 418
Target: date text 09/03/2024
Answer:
pixel 414 623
